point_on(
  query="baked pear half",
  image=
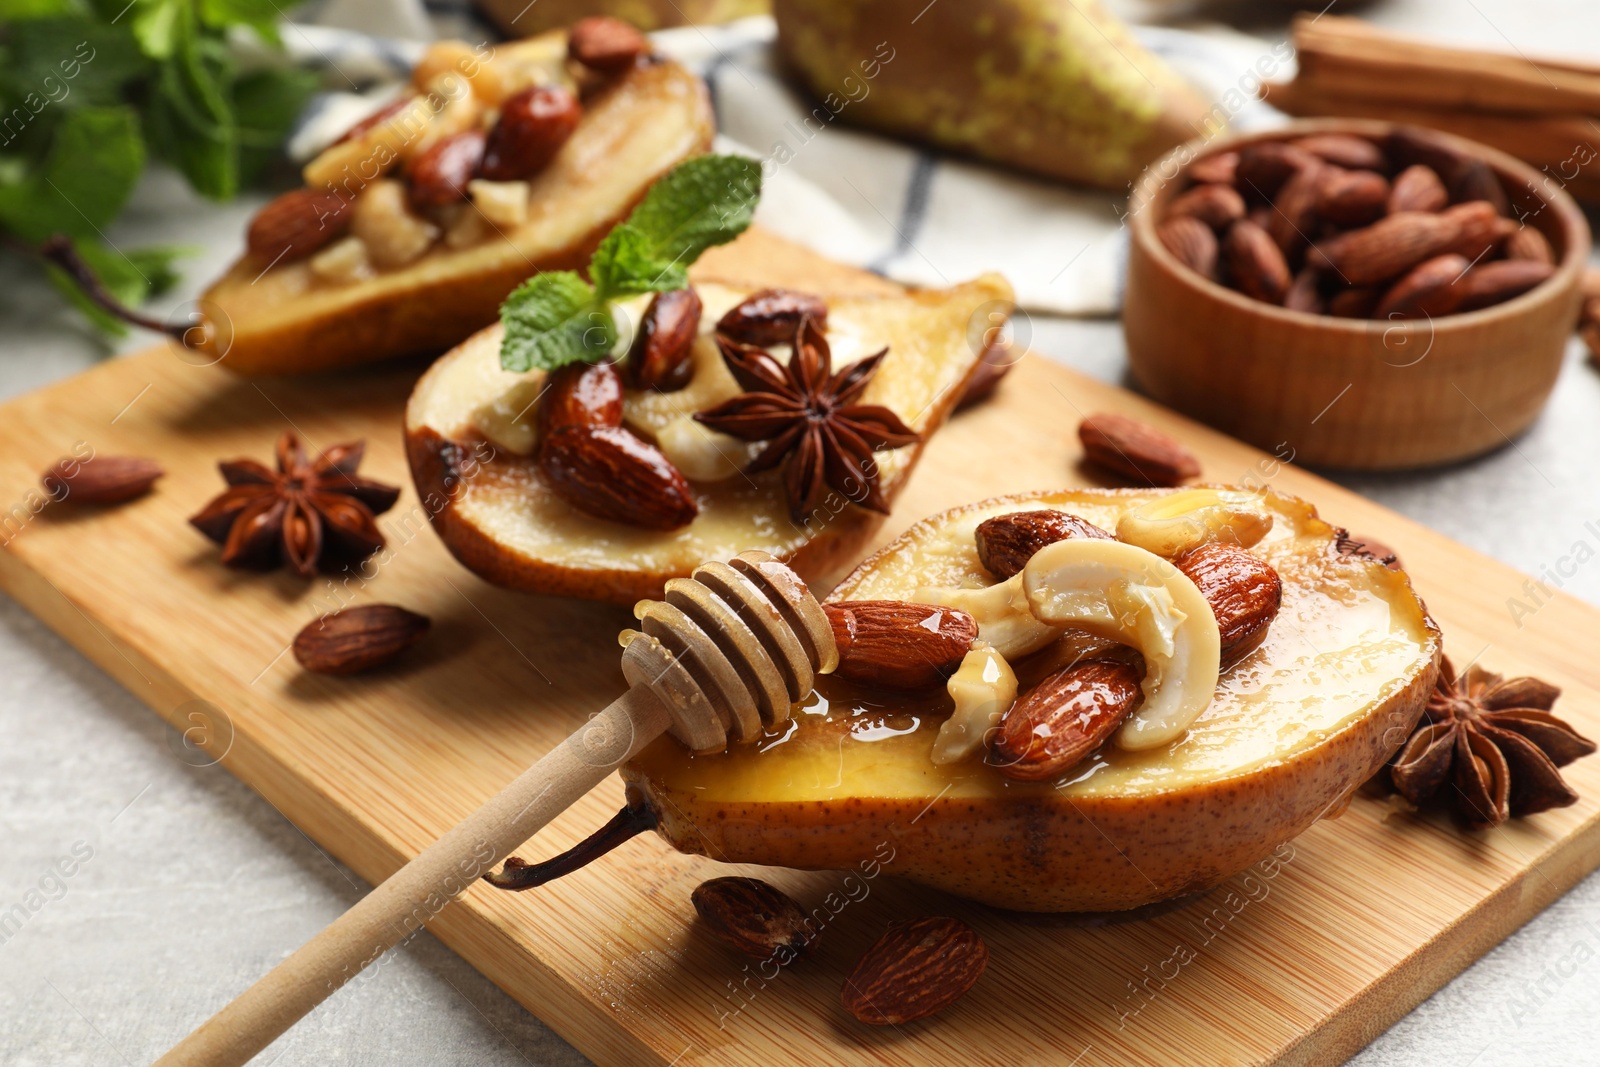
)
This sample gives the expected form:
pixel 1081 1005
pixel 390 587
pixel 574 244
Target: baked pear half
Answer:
pixel 1298 721
pixel 473 440
pixel 410 233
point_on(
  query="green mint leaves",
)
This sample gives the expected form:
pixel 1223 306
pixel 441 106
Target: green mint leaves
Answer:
pixel 556 317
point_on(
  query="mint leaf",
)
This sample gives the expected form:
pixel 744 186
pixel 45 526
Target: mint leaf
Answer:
pixel 260 15
pixel 265 105
pixel 191 121
pixel 88 174
pixel 705 201
pixel 626 264
pixel 72 62
pixel 155 24
pixel 131 278
pixel 553 319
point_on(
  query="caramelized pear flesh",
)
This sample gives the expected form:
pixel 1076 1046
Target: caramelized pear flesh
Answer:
pixel 1297 724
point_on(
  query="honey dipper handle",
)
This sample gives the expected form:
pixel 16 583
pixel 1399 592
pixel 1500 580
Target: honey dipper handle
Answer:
pixel 419 890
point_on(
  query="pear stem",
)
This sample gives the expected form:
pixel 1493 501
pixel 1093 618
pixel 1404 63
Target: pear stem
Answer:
pixel 517 875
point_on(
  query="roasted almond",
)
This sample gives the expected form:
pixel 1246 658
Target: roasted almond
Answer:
pixel 1191 243
pixel 1493 283
pixel 439 174
pixel 1352 197
pixel 1417 188
pixel 1476 180
pixel 297 224
pixel 659 356
pixel 1304 294
pixel 1215 205
pixel 1221 168
pixel 1429 290
pixel 1055 725
pixel 1007 542
pixel 1482 229
pixel 1141 453
pixel 358 639
pixel 1353 303
pixel 611 473
pixel 1294 213
pixel 1243 590
pixel 532 127
pixel 606 44
pixel 754 917
pixel 100 479
pixel 1528 243
pixel 895 644
pixel 1410 145
pixel 1264 167
pixel 1386 249
pixel 1255 262
pixel 581 394
pixel 771 316
pixel 917 969
pixel 1344 150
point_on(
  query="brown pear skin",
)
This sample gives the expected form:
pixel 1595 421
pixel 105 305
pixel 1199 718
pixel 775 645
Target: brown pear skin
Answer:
pixel 1058 89
pixel 853 778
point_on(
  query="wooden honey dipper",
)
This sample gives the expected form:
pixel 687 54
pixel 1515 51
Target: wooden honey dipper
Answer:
pixel 729 652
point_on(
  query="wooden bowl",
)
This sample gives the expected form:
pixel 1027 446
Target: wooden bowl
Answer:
pixel 1351 393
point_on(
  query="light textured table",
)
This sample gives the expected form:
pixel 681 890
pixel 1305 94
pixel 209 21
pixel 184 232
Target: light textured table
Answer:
pixel 192 871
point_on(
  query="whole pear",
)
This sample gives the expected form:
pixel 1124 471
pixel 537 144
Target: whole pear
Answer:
pixel 1056 87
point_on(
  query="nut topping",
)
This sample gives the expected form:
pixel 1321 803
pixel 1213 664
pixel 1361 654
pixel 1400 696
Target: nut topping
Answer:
pixel 917 969
pixel 1133 450
pixel 533 126
pixel 1243 590
pixel 753 917
pixel 440 173
pixel 1174 523
pixel 982 688
pixel 297 224
pixel 610 473
pixel 1060 721
pixel 582 394
pixel 606 44
pixel 1007 542
pixel 771 317
pixel 892 644
pixel 659 357
pixel 358 639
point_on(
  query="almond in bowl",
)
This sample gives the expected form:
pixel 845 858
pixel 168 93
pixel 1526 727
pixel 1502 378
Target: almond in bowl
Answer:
pixel 1366 295
pixel 1172 684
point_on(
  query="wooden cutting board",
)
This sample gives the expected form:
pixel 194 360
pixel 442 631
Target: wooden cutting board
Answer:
pixel 1301 960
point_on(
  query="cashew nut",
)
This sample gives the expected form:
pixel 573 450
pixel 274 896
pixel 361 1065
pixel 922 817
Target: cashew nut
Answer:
pixel 1001 611
pixel 1175 523
pixel 983 687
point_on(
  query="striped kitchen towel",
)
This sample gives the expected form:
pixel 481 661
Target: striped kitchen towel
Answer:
pixel 913 214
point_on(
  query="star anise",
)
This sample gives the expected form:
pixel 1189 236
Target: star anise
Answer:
pixel 1495 742
pixel 809 418
pixel 306 513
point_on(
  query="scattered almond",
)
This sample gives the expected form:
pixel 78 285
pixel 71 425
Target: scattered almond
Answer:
pixel 100 479
pixel 1007 542
pixel 894 644
pixel 659 356
pixel 753 917
pixel 995 363
pixel 917 969
pixel 1214 205
pixel 1191 243
pixel 1417 188
pixel 1141 453
pixel 606 44
pixel 1256 263
pixel 611 473
pixel 771 316
pixel 1428 291
pixel 1058 723
pixel 1497 282
pixel 1243 590
pixel 358 639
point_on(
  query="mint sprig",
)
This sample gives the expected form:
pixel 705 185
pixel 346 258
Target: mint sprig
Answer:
pixel 556 318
